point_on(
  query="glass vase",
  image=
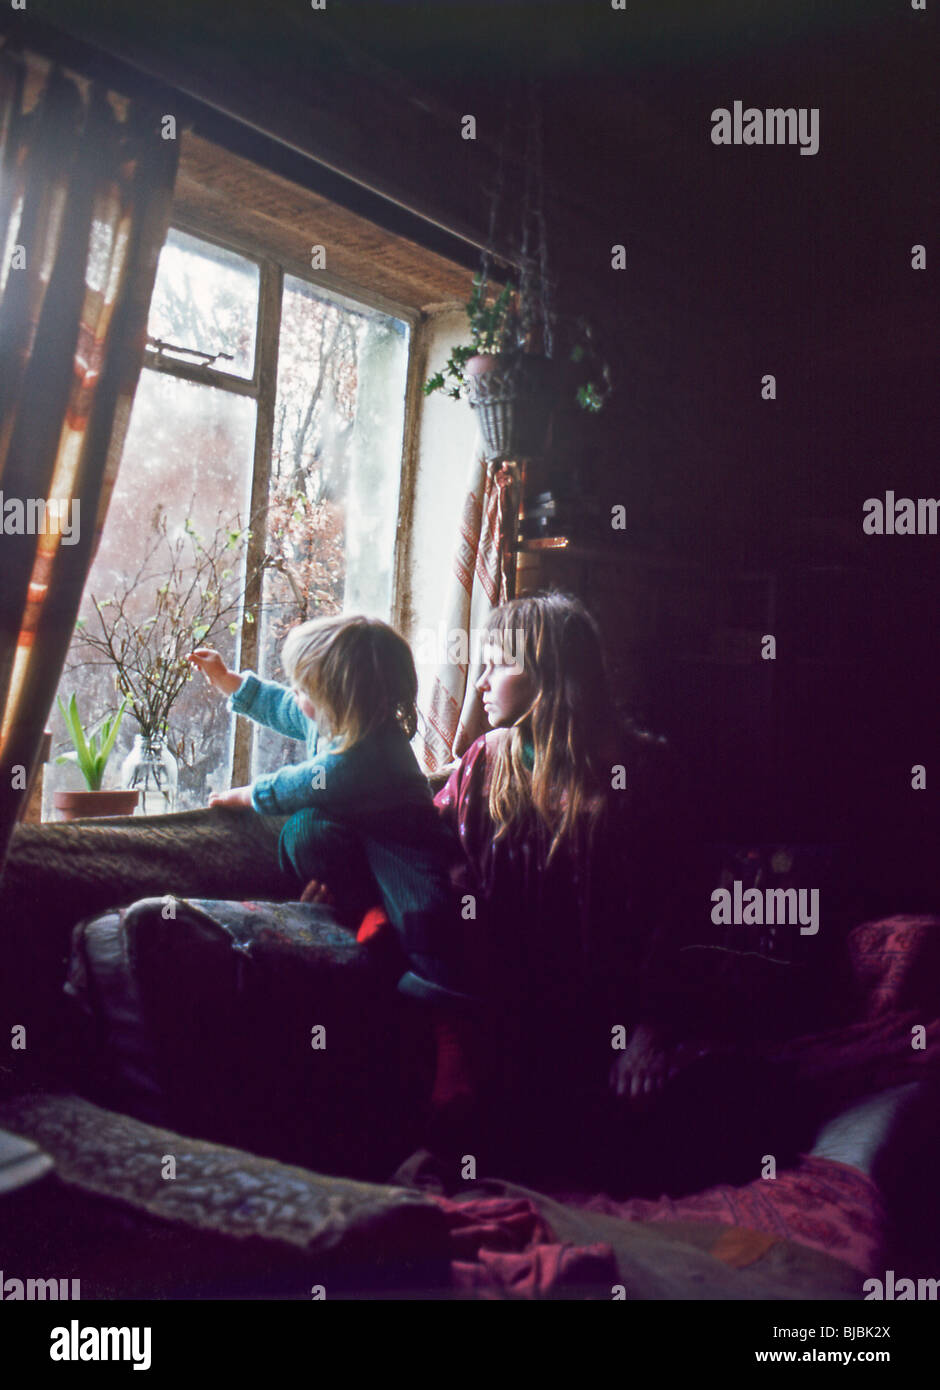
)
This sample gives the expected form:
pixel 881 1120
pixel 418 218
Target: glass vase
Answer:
pixel 151 769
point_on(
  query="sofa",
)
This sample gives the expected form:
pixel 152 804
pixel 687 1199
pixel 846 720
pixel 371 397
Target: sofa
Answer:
pixel 220 1161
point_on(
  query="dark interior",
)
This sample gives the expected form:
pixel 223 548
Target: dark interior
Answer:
pixel 742 514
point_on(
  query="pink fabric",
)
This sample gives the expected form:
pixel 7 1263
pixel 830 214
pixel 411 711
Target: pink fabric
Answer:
pixel 821 1203
pixel 896 964
pixel 503 1247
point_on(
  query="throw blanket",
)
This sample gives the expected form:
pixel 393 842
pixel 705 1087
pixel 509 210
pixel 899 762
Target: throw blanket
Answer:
pixel 57 874
pixel 264 1025
pixel 823 1204
pixel 292 962
pixel 52 879
pixel 232 1225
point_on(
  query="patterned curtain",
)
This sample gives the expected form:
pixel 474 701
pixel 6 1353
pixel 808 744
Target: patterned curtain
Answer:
pixel 483 578
pixel 86 185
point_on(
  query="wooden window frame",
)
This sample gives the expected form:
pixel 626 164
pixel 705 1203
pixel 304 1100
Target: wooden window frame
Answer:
pixel 262 388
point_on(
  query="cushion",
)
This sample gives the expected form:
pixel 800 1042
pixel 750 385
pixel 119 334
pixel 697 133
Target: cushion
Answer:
pixel 261 1024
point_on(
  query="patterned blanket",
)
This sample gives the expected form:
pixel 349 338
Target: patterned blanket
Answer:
pixel 232 994
pixel 139 1211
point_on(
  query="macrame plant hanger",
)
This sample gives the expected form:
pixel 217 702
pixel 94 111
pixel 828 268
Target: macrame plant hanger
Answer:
pixel 513 399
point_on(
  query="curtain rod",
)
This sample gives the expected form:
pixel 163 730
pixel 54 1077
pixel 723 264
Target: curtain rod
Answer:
pixel 245 138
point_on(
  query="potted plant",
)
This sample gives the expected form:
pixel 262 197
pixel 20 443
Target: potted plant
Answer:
pixel 91 752
pixel 508 384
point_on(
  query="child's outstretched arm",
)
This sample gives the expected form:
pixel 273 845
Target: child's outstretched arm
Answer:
pixel 265 702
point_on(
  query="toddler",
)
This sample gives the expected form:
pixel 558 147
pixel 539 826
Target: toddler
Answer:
pixel 359 811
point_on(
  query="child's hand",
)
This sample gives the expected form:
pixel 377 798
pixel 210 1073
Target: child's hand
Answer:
pixel 210 663
pixel 238 796
pixel 347 909
pixel 317 892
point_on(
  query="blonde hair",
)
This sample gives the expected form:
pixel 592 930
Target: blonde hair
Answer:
pixel 570 723
pixel 358 670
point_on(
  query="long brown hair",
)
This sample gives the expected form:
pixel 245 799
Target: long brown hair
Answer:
pixel 570 723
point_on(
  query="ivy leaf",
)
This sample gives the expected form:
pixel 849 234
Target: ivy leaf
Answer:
pixel 588 398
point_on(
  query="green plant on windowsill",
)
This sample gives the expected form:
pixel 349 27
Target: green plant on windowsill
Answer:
pixel 91 750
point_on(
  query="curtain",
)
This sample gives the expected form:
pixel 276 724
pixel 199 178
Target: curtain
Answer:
pixel 86 183
pixel 483 577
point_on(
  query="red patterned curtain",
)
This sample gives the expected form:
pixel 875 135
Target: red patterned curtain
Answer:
pixel 86 185
pixel 483 578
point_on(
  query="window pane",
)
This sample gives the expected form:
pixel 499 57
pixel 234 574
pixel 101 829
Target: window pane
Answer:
pixel 206 298
pixel 189 451
pixel 335 474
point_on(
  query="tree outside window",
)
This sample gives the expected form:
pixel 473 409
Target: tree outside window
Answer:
pixel 324 472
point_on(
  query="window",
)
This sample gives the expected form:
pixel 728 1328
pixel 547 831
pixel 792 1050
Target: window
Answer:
pixel 266 438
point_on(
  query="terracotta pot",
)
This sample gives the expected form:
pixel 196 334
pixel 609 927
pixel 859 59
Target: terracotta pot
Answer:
pixel 512 395
pixel 93 805
pixel 483 362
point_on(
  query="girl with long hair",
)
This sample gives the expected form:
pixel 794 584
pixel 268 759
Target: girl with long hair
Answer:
pixel 562 815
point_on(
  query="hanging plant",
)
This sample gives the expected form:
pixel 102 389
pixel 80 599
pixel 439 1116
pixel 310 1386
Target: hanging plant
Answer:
pixel 512 389
pixel 496 330
pixel 510 370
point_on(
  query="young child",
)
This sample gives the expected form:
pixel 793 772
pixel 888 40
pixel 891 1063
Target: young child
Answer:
pixel 360 813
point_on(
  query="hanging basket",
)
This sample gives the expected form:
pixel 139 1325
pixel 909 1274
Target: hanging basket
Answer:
pixel 513 397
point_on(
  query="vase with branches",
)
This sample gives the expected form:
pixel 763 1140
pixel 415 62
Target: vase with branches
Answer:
pixel 186 590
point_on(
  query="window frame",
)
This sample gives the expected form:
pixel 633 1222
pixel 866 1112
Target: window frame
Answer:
pixel 262 388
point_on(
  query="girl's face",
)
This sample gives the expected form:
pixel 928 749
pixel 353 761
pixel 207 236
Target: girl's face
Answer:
pixel 506 689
